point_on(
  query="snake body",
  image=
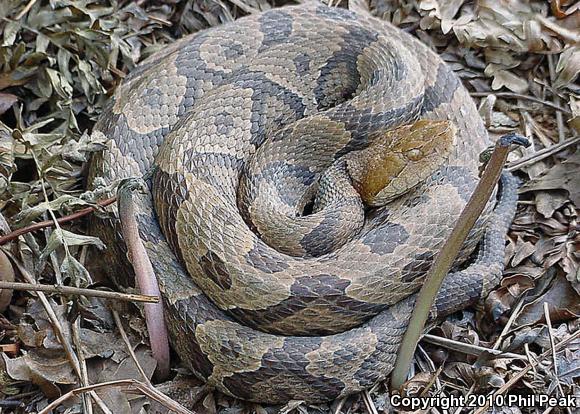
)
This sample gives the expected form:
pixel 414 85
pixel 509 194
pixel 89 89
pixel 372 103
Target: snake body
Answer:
pixel 226 118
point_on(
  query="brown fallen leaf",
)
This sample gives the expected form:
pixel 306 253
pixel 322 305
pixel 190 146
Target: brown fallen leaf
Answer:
pixel 523 250
pixel 6 275
pixel 574 122
pixel 460 372
pixel 10 349
pixel 418 383
pixel 183 389
pixel 569 366
pixel 500 301
pixel 107 369
pixel 563 175
pixel 563 303
pixel 11 79
pixel 547 202
pixel 568 66
pixel 47 369
pixel 6 101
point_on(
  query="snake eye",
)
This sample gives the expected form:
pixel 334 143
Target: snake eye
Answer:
pixel 414 154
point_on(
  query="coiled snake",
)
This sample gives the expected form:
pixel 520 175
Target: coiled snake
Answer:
pixel 266 134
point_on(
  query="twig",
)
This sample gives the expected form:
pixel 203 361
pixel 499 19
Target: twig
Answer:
pixel 556 99
pixel 447 255
pixel 469 392
pixel 553 349
pixel 130 347
pixel 508 325
pixel 55 323
pixel 468 349
pixel 22 395
pixel 76 330
pixel 531 359
pixel 337 405
pixel 11 404
pixel 513 380
pixel 530 98
pixel 144 277
pixel 50 223
pixel 70 290
pixel 434 380
pixel 132 385
pixel 532 127
pixel 56 326
pixel 369 404
pixel 25 9
pixel 541 154
pixel 7 275
pixel 571 35
pixel 76 326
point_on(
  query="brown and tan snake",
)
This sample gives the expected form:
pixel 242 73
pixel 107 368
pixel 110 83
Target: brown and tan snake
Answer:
pixel 308 163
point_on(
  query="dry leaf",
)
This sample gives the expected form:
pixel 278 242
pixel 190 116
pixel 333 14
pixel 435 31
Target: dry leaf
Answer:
pixel 6 101
pixel 568 66
pixel 563 175
pixel 563 303
pixel 43 368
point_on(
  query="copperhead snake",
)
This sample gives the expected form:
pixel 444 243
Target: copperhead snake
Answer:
pixel 284 275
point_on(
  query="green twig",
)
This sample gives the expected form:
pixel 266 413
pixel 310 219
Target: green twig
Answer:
pixel 447 255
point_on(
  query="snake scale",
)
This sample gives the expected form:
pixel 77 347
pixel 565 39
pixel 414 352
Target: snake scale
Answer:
pixel 241 123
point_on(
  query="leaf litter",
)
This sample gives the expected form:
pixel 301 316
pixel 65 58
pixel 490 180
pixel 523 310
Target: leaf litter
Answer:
pixel 61 60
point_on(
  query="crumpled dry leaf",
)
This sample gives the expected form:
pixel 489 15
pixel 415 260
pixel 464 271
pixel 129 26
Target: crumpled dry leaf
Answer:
pixel 569 365
pixel 522 250
pixel 417 384
pixel 184 390
pixel 505 78
pixel 103 370
pixel 7 164
pixel 563 175
pixel 442 10
pixel 563 303
pixel 575 119
pixel 6 275
pixel 522 336
pixel 35 328
pixel 79 151
pixel 46 365
pixel 6 101
pixel 45 369
pixel 460 372
pixel 60 237
pixel 504 25
pixel 63 202
pixel 290 406
pixel 547 202
pixel 568 66
pixel 499 302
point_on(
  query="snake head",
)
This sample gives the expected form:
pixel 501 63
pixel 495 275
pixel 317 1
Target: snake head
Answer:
pixel 400 159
